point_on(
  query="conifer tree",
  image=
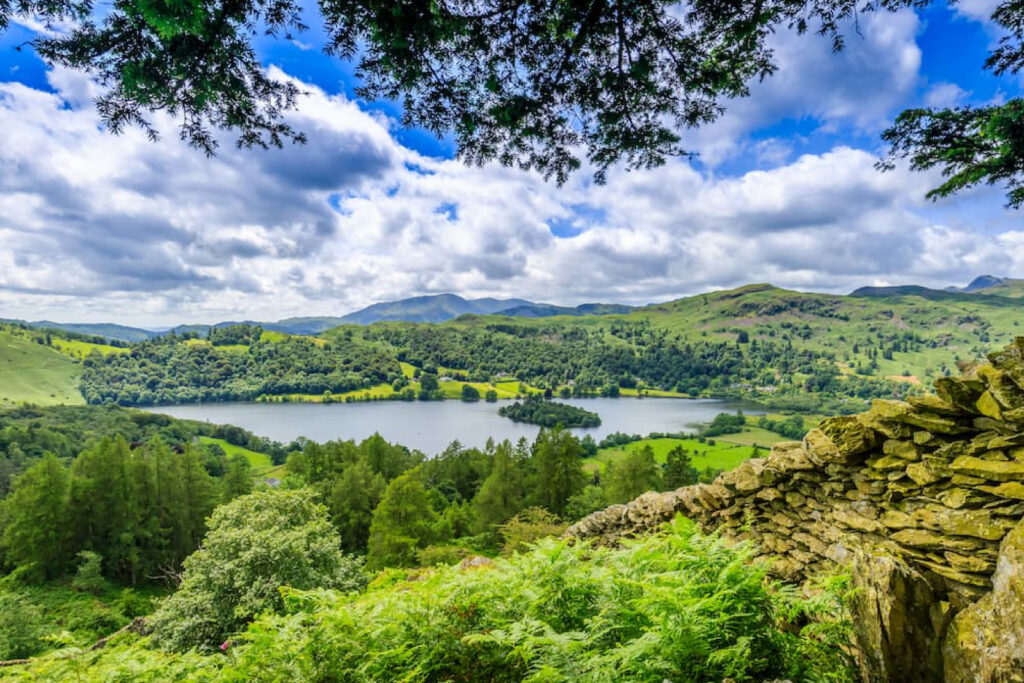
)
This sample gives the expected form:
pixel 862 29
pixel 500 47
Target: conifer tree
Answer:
pixel 34 521
pixel 558 472
pixel 352 501
pixel 403 523
pixel 502 494
pixel 101 499
pixel 237 480
pixel 679 469
pixel 636 473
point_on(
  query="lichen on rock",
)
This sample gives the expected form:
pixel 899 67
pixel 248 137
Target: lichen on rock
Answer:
pixel 915 498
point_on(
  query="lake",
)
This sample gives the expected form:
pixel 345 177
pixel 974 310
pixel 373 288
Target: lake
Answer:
pixel 430 426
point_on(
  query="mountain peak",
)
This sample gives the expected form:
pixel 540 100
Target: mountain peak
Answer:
pixel 983 282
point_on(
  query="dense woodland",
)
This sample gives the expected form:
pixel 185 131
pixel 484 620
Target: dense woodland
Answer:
pixel 139 523
pixel 241 363
pixel 106 496
pixel 235 365
pixel 536 410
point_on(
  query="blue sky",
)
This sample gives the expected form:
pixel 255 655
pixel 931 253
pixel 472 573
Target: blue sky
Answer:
pixel 97 227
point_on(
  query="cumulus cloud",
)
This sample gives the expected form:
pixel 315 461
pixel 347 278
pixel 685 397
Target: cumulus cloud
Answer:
pixel 97 227
pixel 859 87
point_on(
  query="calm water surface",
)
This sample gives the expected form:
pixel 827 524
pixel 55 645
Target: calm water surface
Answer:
pixel 431 426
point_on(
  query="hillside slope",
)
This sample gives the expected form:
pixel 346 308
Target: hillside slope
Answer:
pixel 908 334
pixel 31 372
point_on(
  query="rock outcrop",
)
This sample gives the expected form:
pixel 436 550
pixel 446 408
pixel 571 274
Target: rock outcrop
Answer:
pixel 916 498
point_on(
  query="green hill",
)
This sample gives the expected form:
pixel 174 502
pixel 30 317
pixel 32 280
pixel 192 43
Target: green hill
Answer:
pixel 907 334
pixel 34 373
pixel 795 349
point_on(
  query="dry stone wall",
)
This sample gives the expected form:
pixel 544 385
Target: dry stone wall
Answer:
pixel 915 497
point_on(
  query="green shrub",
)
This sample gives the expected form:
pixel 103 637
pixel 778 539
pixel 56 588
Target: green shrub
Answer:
pixel 256 544
pixel 440 555
pixel 679 606
pixel 21 627
pixel 528 527
pixel 89 577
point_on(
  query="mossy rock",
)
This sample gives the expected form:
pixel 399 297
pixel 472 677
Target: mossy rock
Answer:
pixel 993 470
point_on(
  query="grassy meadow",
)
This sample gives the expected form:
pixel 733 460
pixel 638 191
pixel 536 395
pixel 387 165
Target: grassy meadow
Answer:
pixel 33 373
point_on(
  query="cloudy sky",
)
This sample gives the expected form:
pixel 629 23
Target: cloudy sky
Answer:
pixel 95 227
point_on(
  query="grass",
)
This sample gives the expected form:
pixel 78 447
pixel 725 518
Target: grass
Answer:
pixel 33 373
pixel 80 349
pixel 722 455
pixel 453 389
pixel 79 618
pixel 450 389
pixel 272 336
pixel 259 462
pixel 652 393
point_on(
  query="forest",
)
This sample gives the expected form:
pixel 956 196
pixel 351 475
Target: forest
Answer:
pixel 118 514
pixel 247 363
pixel 536 410
pixel 108 500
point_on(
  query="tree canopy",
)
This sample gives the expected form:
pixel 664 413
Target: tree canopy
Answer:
pixel 539 84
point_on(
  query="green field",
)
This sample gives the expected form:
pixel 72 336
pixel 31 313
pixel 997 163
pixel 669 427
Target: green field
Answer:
pixel 726 452
pixel 33 373
pixel 81 349
pixel 259 462
pixel 451 389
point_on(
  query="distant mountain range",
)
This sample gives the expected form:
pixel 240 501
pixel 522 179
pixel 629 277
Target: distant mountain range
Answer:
pixel 107 330
pixel 988 286
pixel 437 308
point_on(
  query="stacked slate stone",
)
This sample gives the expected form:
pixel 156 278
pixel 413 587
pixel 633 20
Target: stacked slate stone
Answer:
pixel 934 483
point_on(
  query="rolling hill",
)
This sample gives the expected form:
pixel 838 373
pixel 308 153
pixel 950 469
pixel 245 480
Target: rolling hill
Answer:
pixel 105 330
pixel 759 341
pixel 34 373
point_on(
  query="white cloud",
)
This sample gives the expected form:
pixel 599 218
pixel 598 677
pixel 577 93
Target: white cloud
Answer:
pixel 860 87
pixel 97 227
pixel 944 95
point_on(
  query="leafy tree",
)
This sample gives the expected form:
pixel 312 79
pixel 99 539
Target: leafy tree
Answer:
pixel 558 474
pixel 353 498
pixel 237 480
pixel 591 499
pixel 256 544
pixel 679 469
pixel 403 523
pixel 545 413
pixel 470 393
pixel 725 423
pixel 503 493
pixel 527 84
pixel 636 473
pixel 428 382
pixel 102 499
pixel 34 519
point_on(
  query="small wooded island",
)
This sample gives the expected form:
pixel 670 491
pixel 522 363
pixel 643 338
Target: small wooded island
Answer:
pixel 545 413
